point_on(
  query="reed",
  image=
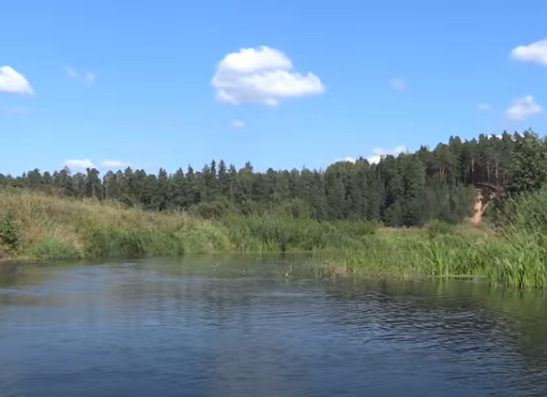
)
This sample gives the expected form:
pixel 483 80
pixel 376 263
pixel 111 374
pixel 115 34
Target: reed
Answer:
pixel 35 226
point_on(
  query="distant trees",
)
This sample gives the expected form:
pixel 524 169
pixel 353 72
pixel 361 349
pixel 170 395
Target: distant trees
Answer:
pixel 407 190
pixel 528 166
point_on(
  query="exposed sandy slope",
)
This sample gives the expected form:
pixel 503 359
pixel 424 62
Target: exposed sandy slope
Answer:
pixel 478 209
pixel 481 203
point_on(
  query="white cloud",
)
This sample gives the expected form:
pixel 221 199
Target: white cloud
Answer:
pixel 79 164
pixel 535 52
pixel 346 159
pixel 378 153
pixel 237 124
pixel 484 106
pixel 398 84
pixel 88 78
pixel 261 75
pixel 523 108
pixel 12 82
pixel 115 164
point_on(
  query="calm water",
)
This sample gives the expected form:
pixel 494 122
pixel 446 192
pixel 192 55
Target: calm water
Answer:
pixel 217 326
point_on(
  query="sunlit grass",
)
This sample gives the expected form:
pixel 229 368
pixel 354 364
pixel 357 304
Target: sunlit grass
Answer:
pixel 55 228
pixel 89 228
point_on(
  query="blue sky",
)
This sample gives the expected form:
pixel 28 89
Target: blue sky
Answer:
pixel 119 81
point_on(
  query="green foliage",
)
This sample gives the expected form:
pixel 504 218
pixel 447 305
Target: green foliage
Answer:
pixel 51 249
pixel 122 243
pixel 528 168
pixel 285 234
pixel 10 233
pixel 516 256
pixel 332 212
pixel 357 229
pixel 521 262
pixel 405 190
pixel 526 213
pixel 213 210
pixel 435 228
pixel 295 209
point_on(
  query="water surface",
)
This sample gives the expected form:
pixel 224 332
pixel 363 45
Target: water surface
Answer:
pixel 238 326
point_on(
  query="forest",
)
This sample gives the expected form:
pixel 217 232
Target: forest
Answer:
pixel 405 190
pixel 337 215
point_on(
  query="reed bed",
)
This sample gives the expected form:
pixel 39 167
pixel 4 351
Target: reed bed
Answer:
pixel 35 226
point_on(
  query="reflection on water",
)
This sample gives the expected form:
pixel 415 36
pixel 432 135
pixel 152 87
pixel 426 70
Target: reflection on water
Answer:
pixel 233 326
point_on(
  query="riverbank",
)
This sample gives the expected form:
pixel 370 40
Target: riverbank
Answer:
pixel 40 227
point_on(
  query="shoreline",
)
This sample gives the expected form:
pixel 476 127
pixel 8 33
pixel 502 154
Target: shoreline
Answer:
pixel 45 228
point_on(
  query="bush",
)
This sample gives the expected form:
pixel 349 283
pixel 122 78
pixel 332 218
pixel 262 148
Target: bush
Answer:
pixel 358 228
pixel 213 210
pixel 51 249
pixel 122 243
pixel 10 233
pixel 435 228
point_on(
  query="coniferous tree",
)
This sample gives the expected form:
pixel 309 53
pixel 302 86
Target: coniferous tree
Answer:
pixel 403 190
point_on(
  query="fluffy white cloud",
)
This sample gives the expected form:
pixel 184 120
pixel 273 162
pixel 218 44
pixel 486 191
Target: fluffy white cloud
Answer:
pixel 535 52
pixel 237 124
pixel 378 153
pixel 12 82
pixel 484 106
pixel 79 164
pixel 523 108
pixel 115 164
pixel 88 78
pixel 261 75
pixel 398 84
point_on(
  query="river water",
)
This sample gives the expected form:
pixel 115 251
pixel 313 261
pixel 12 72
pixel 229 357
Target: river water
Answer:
pixel 258 326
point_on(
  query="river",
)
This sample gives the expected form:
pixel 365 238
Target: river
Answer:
pixel 261 326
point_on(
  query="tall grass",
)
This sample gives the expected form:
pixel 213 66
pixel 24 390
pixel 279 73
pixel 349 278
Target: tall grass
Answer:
pixel 516 259
pixel 285 234
pixel 60 228
pixel 55 228
pixel 37 226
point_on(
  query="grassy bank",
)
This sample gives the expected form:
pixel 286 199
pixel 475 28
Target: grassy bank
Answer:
pixel 515 260
pixel 39 227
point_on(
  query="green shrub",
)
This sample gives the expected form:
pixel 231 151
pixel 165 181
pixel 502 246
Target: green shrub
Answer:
pixel 213 210
pixel 10 233
pixel 116 243
pixel 51 249
pixel 435 228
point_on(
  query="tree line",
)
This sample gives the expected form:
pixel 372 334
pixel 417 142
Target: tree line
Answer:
pixel 404 190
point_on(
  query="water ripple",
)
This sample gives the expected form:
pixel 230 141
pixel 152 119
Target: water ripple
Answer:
pixel 143 328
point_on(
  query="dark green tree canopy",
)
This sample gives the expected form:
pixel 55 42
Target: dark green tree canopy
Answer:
pixel 407 190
